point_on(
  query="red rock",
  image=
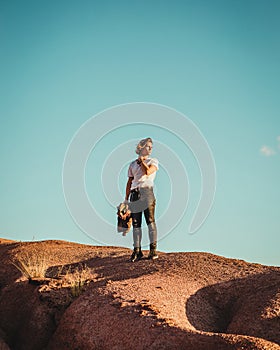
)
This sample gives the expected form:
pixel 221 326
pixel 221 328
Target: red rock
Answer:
pixel 180 301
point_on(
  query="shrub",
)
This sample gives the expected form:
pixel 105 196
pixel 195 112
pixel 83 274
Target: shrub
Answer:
pixel 31 264
pixel 78 279
pixel 35 264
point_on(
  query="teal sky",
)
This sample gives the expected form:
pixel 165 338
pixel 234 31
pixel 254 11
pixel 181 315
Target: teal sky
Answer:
pixel 217 62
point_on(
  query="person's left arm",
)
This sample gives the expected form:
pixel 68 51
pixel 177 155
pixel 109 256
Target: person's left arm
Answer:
pixel 148 169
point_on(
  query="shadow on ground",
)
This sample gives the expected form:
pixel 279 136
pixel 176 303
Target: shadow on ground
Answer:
pixel 247 306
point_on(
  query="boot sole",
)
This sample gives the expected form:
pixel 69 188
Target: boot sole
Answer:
pixel 153 258
pixel 137 259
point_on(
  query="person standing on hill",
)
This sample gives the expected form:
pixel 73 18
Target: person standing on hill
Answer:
pixel 139 192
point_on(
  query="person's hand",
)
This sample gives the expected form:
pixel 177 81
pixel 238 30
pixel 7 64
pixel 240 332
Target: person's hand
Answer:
pixel 126 215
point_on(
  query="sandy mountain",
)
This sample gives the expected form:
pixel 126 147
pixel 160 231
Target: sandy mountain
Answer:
pixel 86 297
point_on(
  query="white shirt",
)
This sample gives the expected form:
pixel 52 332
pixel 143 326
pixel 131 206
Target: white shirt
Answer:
pixel 140 179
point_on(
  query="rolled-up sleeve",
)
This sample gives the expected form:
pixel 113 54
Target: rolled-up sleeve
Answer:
pixel 154 162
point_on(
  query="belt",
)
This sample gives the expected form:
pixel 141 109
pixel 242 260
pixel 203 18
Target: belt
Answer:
pixel 137 189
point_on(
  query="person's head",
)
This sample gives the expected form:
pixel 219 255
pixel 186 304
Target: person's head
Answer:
pixel 144 147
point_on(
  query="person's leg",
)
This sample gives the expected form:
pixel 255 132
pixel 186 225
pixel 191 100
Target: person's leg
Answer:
pixel 137 230
pixel 137 236
pixel 150 220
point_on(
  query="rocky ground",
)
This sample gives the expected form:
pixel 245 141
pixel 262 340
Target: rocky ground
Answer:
pixel 94 298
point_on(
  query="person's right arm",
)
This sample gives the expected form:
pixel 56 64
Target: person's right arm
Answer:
pixel 128 186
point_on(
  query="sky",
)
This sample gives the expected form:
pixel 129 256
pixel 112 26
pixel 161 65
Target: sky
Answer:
pixel 216 63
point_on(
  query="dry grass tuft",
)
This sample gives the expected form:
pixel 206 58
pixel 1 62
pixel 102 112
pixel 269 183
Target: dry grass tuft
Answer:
pixel 78 279
pixel 31 264
pixel 35 265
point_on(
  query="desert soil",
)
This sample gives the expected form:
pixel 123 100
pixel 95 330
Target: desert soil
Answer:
pixel 188 300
